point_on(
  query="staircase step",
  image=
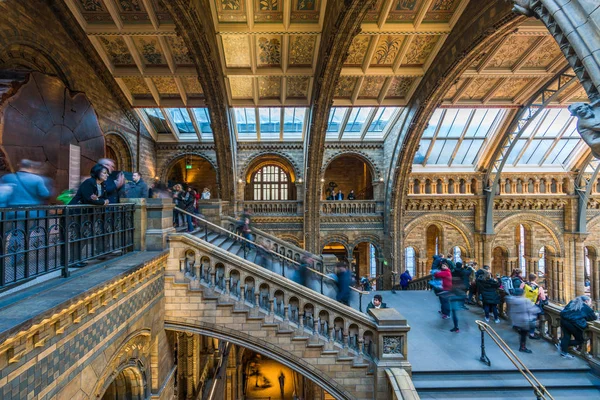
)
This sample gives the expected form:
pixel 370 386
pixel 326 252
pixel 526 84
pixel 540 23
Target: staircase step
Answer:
pixel 285 332
pixel 330 353
pixel 219 240
pixel 270 325
pixel 345 359
pixel 315 345
pixel 300 338
pixel 225 305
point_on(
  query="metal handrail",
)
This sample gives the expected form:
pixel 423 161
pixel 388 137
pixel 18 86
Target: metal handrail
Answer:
pixel 274 253
pixel 540 390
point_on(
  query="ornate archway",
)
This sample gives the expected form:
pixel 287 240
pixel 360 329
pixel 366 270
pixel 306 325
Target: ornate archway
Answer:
pixel 118 149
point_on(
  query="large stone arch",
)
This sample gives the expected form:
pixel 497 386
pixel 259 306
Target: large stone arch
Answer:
pixel 167 165
pixel 122 150
pixel 133 355
pixel 335 238
pixel 545 222
pixel 372 239
pixel 256 158
pixel 440 219
pixel 262 347
pixel 375 171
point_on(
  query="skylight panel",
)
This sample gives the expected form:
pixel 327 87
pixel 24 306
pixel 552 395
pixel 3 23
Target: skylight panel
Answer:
pixel 356 121
pixel 203 123
pixel 293 123
pixel 422 151
pixel 447 122
pixel 381 119
pixel 433 123
pixel 245 120
pixel 270 123
pixel 182 120
pixel 336 118
pixel 157 119
pixel 446 151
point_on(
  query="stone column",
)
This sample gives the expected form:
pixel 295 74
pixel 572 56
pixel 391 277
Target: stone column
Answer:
pixel 159 223
pixel 300 197
pixel 140 223
pixel 378 189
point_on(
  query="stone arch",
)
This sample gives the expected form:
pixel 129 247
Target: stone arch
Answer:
pixel 438 219
pixel 255 159
pixel 291 239
pixel 375 171
pixel 521 218
pixel 335 238
pixel 593 222
pixel 274 352
pixel 170 163
pixel 121 150
pixel 132 356
pixel 372 239
pixel 26 54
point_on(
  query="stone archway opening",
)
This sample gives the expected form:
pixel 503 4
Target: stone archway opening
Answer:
pixel 332 253
pixel 195 171
pixel 500 261
pixel 348 173
pixel 128 384
pixel 365 263
pixel 118 150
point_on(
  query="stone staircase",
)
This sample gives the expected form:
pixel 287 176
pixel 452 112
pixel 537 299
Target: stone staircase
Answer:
pixel 578 384
pixel 212 287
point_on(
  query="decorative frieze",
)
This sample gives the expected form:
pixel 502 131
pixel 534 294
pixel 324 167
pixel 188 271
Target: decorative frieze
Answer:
pixel 438 204
pixel 530 203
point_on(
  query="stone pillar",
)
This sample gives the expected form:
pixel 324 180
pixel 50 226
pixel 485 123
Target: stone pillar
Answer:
pixel 140 223
pixel 300 197
pixel 160 223
pixel 378 190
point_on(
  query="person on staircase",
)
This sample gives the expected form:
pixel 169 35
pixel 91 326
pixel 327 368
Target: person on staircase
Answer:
pixel 523 315
pixel 377 302
pixel 488 288
pixel 188 201
pixel 344 279
pixel 446 277
pixel 405 278
pixel 573 321
pixel 537 296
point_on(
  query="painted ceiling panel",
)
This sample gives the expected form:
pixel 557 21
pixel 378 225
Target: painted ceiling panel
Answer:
pixel 268 10
pixel 179 51
pixel 94 11
pixel 231 10
pixel 510 52
pixel 420 49
pixel 544 56
pixel 297 86
pixel 404 10
pixel 150 50
pixel 387 49
pixel 192 86
pixel 136 85
pixel 371 87
pixel 268 50
pixel 166 86
pixel 237 51
pixel 302 49
pixel 400 87
pixel 511 88
pixel 441 10
pixel 373 14
pixel 305 10
pixel 345 86
pixel 269 87
pixel 117 50
pixel 132 11
pixel 241 87
pixel 479 87
pixel 358 50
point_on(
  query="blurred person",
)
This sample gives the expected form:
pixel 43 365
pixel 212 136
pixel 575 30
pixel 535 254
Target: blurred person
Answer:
pixel 331 195
pixel 188 201
pixel 137 188
pixel 93 190
pixel 437 260
pixel 488 288
pixel 205 194
pixel 480 272
pixel 517 280
pixel 177 195
pixel 405 278
pixel 343 281
pixel 6 190
pixel 450 262
pixel 306 264
pixel 537 296
pixel 377 302
pixel 573 321
pixel 456 298
pixel 523 315
pixel 351 195
pixel 445 276
pixel 115 181
pixel 28 188
pixel 160 191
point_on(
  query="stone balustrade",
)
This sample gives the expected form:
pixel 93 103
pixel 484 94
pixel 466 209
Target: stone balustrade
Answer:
pixel 280 246
pixel 367 338
pixel 351 207
pixel 286 208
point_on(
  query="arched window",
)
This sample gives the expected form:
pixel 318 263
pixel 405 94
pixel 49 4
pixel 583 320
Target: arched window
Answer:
pixel 521 248
pixel 542 262
pixel 433 241
pixel 271 182
pixel 456 254
pixel 587 269
pixel 410 260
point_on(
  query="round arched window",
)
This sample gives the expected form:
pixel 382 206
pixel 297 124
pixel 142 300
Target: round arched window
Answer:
pixel 271 182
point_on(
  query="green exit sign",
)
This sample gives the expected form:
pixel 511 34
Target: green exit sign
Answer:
pixel 188 166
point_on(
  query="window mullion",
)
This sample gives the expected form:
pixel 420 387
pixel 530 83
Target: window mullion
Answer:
pixel 461 138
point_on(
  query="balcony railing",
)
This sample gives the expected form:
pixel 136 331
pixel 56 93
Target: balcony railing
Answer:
pixel 288 207
pixel 351 207
pixel 39 240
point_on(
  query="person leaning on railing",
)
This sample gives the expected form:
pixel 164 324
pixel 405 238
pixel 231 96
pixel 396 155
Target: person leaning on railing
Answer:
pixel 573 321
pixel 93 190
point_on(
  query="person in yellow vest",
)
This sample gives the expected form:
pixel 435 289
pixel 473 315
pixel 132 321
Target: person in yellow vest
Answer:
pixel 535 294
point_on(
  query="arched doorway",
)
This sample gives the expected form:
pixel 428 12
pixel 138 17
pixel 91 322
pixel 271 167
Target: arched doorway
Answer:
pixel 332 253
pixel 195 171
pixel 365 264
pixel 346 173
pixel 128 384
pixel 433 235
pixel 500 261
pixel 117 149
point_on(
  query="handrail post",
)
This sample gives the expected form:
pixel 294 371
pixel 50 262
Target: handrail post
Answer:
pixel 205 232
pixel 321 276
pixel 283 267
pixel 360 301
pixel 484 358
pixel 65 252
pixel 393 282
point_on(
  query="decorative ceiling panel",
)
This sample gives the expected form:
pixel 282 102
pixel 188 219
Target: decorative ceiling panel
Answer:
pixel 511 88
pixel 306 10
pixel 420 49
pixel 387 50
pixel 241 87
pixel 371 87
pixel 149 49
pixel 161 12
pixel 404 10
pixel 94 11
pixel 268 50
pixel 297 86
pixel 180 52
pixel 479 87
pixel 302 49
pixel 373 14
pixel 345 86
pixel 231 10
pixel 510 52
pixel 132 11
pixel 237 51
pixel 441 10
pixel 269 87
pixel 117 51
pixel 544 55
pixel 400 87
pixel 358 50
pixel 192 86
pixel 166 86
pixel 453 89
pixel 136 85
pixel 268 10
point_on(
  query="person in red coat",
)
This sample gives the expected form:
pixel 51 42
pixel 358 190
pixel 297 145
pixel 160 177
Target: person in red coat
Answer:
pixel 446 277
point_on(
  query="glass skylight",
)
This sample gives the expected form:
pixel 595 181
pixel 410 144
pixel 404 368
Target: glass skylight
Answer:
pixel 157 120
pixel 360 123
pixel 274 123
pixel 183 120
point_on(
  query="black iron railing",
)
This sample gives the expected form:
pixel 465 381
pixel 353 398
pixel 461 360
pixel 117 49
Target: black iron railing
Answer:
pixel 38 240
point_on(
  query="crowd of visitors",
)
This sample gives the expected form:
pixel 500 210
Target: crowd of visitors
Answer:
pixel 339 195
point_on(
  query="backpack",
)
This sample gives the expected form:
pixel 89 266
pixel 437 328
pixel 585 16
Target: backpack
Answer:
pixel 531 291
pixel 507 285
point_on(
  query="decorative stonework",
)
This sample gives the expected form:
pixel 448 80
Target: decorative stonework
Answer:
pixel 445 204
pixel 437 218
pixel 529 204
pixel 547 223
pixel 374 168
pixel 393 345
pixel 245 168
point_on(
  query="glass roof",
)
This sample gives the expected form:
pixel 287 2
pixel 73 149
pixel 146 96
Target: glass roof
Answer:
pixel 360 123
pixel 270 123
pixel 456 136
pixel 184 123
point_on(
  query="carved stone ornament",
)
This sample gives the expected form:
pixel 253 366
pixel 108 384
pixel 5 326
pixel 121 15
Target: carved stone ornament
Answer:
pixel 524 7
pixel 392 345
pixel 588 124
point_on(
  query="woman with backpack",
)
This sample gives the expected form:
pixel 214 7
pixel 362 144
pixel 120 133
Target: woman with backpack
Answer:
pixel 488 288
pixel 573 321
